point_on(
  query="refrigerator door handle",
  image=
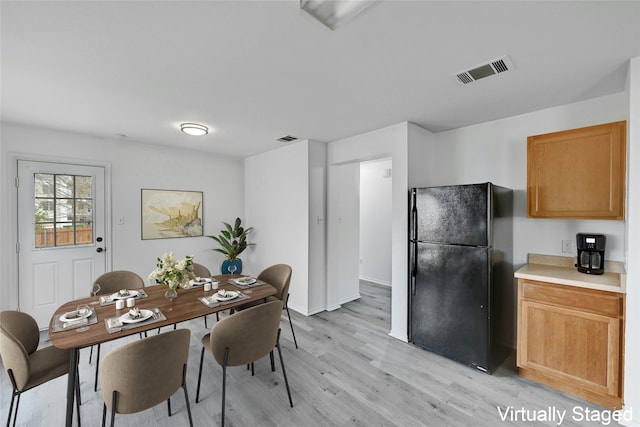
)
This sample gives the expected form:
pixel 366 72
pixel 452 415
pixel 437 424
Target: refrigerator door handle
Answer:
pixel 413 228
pixel 413 266
pixel 413 285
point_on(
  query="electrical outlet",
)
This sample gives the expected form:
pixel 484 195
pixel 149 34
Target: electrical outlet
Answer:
pixel 566 246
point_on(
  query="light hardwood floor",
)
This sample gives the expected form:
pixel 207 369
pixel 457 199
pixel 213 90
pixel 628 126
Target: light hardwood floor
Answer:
pixel 347 372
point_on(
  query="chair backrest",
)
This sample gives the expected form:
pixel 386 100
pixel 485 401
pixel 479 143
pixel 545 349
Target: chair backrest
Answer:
pixel 113 281
pixel 145 372
pixel 279 276
pixel 200 270
pixel 19 337
pixel 248 334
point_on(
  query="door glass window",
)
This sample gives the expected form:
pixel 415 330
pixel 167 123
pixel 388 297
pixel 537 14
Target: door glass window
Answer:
pixel 63 210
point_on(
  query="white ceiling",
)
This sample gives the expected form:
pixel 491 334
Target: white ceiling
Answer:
pixel 256 71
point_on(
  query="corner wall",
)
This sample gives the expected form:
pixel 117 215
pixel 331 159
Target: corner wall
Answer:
pixel 387 142
pixel 277 206
pixel 632 328
pixel 375 221
pixel 134 166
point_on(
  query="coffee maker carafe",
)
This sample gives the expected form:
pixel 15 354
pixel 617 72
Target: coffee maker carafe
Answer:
pixel 590 253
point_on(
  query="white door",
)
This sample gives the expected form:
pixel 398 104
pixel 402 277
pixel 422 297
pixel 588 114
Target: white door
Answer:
pixel 61 231
pixel 343 231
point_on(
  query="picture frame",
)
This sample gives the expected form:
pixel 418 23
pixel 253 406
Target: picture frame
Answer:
pixel 167 214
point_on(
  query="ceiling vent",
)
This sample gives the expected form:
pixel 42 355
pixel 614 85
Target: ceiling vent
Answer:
pixel 491 68
pixel 287 138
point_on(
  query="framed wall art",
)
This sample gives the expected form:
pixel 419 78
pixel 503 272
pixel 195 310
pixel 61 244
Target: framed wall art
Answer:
pixel 169 213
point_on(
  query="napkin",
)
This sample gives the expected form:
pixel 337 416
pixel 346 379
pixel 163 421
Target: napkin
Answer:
pixel 74 323
pixel 114 323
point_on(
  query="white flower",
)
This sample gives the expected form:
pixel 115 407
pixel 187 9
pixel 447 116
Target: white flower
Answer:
pixel 171 272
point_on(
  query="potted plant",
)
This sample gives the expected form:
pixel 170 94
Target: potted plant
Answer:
pixel 233 241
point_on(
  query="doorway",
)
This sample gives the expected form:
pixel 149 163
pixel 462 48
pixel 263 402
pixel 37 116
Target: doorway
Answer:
pixel 375 221
pixel 61 234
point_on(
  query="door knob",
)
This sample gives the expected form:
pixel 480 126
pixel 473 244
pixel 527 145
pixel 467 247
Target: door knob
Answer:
pixel 99 250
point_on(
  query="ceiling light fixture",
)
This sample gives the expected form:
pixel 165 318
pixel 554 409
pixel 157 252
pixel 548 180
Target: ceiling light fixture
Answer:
pixel 333 12
pixel 194 129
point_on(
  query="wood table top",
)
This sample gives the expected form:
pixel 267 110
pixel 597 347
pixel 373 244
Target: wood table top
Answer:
pixel 186 307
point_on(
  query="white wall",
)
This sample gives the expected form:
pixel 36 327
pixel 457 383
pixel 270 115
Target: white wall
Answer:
pixel 423 157
pixel 391 142
pixel 375 221
pixel 133 166
pixel 497 152
pixel 632 333
pixel 277 206
pixel 317 298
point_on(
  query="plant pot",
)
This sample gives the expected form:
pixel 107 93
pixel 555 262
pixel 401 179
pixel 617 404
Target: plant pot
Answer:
pixel 237 263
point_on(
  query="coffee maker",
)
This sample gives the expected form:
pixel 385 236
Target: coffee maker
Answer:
pixel 590 253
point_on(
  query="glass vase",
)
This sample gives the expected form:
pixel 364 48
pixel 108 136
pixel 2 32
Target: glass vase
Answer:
pixel 171 294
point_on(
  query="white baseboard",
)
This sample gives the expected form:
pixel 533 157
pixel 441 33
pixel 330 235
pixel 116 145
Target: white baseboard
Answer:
pixel 399 336
pixel 376 281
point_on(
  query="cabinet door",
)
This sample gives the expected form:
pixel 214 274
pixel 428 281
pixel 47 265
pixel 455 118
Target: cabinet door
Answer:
pixel 578 173
pixel 570 346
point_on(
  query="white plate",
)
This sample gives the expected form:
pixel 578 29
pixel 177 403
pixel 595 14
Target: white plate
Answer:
pixel 200 282
pixel 132 294
pixel 245 281
pixel 73 315
pixel 231 295
pixel 144 315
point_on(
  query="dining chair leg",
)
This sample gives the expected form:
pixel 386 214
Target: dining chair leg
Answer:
pixel 113 407
pixel 104 413
pixel 78 395
pixel 15 414
pixel 205 323
pixel 273 363
pixel 224 381
pixel 286 306
pixel 284 373
pixel 169 406
pixel 199 375
pixel 13 396
pixel 14 393
pixel 252 370
pixel 95 384
pixel 186 395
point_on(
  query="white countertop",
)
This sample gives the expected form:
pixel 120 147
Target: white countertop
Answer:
pixel 542 271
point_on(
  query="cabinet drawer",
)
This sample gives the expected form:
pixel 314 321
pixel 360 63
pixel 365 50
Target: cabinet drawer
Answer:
pixel 594 301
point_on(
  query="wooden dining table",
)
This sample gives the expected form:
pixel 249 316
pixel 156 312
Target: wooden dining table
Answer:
pixel 186 306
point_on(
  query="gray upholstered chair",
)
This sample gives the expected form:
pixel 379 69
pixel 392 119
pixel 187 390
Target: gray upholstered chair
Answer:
pixel 201 271
pixel 243 338
pixel 112 282
pixel 25 365
pixel 279 276
pixel 144 373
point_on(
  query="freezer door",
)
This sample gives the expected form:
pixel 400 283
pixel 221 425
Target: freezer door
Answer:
pixel 457 214
pixel 450 303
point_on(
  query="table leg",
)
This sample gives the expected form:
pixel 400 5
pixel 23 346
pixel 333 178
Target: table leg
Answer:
pixel 71 384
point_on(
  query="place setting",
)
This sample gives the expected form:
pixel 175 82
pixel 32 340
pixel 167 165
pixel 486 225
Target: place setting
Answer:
pixel 246 282
pixel 222 296
pixel 78 319
pixel 122 295
pixel 134 318
pixel 207 282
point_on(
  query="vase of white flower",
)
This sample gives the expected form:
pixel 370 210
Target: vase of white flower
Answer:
pixel 173 273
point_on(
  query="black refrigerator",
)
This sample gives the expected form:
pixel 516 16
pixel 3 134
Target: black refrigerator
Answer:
pixel 460 265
